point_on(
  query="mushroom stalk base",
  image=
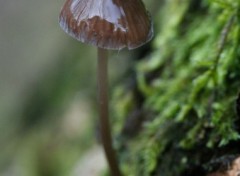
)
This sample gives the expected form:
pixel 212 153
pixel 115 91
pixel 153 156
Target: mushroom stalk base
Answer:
pixel 103 110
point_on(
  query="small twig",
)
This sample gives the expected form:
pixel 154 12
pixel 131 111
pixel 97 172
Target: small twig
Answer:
pixel 222 41
pixel 221 44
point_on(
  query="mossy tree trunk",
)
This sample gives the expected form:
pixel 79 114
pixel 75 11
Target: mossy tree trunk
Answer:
pixel 188 87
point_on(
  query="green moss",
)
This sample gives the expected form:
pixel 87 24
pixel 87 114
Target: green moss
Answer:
pixel 190 83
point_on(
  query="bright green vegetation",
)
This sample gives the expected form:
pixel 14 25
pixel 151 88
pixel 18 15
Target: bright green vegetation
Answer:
pixel 189 84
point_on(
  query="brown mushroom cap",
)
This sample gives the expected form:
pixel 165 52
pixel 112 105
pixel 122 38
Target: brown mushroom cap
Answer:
pixel 108 24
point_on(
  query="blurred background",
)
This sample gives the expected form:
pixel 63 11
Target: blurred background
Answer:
pixel 48 101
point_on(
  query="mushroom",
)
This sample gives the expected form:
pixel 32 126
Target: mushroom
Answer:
pixel 108 25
